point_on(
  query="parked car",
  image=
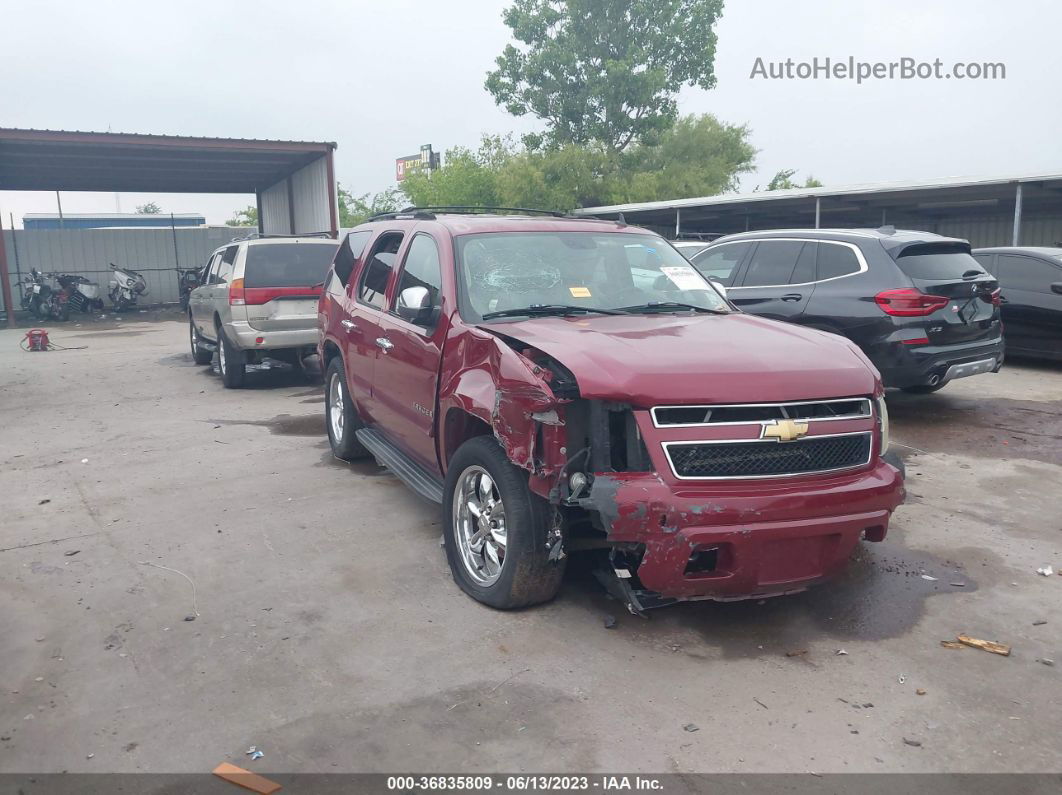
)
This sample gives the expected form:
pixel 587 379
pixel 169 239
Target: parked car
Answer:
pixel 919 305
pixel 558 384
pixel 258 298
pixel 1030 280
pixel 690 248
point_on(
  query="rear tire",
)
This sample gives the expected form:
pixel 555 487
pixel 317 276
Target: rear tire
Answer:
pixel 341 418
pixel 230 362
pixel 924 389
pixel 199 354
pixel 525 575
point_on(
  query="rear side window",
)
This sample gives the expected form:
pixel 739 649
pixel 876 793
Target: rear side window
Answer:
pixel 224 269
pixel 772 262
pixel 1026 273
pixel 287 264
pixel 349 251
pixel 986 261
pixel 377 272
pixel 422 269
pixel 719 263
pixel 936 262
pixel 836 260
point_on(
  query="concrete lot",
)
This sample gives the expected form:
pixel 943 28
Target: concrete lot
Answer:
pixel 331 635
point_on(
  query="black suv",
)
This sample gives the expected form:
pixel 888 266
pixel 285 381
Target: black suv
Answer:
pixel 919 305
pixel 1031 281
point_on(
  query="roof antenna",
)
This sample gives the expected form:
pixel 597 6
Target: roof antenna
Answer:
pixel 620 220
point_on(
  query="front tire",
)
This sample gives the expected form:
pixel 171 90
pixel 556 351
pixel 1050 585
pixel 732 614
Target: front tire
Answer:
pixel 199 354
pixel 341 418
pixel 496 528
pixel 230 362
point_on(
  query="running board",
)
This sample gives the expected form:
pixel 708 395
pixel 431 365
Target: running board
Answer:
pixel 409 472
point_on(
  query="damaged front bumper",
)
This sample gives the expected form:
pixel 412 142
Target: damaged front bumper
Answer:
pixel 714 541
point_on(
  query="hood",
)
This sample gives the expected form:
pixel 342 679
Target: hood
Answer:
pixel 649 360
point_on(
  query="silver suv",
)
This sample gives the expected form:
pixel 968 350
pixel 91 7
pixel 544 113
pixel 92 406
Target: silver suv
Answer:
pixel 258 298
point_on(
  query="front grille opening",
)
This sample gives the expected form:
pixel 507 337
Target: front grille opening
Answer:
pixel 716 415
pixel 767 459
pixel 703 561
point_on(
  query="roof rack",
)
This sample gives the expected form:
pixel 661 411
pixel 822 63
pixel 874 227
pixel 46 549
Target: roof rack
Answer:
pixel 703 236
pixel 428 213
pixel 260 236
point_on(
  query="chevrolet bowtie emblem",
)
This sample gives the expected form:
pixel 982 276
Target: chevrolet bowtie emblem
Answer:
pixel 783 430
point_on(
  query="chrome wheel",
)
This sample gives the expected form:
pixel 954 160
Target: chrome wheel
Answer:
pixel 194 337
pixel 335 407
pixel 479 525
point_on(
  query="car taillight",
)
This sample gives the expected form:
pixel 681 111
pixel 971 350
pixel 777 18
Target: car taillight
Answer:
pixel 909 302
pixel 236 294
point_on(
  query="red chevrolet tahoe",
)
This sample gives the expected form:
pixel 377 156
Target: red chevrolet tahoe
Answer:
pixel 562 384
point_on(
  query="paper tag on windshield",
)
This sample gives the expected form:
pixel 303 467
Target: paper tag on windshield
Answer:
pixel 579 292
pixel 684 277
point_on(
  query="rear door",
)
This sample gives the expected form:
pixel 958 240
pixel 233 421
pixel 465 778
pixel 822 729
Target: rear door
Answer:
pixel 406 374
pixel 778 279
pixel 1032 311
pixel 282 283
pixel 363 333
pixel 948 270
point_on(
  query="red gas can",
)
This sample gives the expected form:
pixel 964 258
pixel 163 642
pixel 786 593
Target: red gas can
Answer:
pixel 36 339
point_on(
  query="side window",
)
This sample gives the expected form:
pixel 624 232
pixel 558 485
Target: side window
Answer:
pixel 377 271
pixel 772 263
pixel 420 282
pixel 224 271
pixel 347 256
pixel 720 262
pixel 211 272
pixel 804 271
pixel 1026 273
pixel 836 260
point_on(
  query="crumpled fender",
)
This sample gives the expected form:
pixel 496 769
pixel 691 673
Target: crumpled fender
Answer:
pixel 486 378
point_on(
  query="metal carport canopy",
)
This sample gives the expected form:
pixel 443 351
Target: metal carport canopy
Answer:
pixel 64 160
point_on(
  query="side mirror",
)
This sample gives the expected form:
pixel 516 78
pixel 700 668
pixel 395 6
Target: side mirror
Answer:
pixel 414 306
pixel 1057 288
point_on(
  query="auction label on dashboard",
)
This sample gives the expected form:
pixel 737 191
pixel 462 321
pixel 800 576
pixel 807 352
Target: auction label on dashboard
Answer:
pixel 525 783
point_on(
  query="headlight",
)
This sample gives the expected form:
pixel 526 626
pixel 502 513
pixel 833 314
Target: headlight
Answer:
pixel 883 419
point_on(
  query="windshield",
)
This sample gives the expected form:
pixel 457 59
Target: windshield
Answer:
pixel 580 271
pixel 287 264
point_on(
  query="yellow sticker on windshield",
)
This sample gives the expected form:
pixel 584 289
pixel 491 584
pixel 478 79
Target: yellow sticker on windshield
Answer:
pixel 579 292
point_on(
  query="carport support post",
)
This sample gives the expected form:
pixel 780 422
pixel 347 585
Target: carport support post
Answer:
pixel 678 223
pixel 1016 237
pixel 5 278
pixel 258 213
pixel 818 211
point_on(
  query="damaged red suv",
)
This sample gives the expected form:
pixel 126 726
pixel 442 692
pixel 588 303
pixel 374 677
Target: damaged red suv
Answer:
pixel 562 384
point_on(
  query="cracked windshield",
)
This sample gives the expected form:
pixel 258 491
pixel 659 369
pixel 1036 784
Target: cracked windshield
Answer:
pixel 519 275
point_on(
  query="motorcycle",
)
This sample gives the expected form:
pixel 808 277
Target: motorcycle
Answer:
pixel 125 287
pixel 187 280
pixel 41 299
pixel 81 294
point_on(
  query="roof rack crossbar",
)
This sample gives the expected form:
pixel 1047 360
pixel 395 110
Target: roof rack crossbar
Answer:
pixel 260 236
pixel 463 209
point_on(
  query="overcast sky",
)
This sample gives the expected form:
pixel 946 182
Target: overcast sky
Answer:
pixel 380 79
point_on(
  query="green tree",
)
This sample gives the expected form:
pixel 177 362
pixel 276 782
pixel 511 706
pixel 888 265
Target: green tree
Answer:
pixel 354 210
pixel 697 156
pixel 148 209
pixel 783 180
pixel 604 71
pixel 248 216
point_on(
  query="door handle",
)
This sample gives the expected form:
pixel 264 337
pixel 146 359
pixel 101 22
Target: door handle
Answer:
pixel 385 343
pixel 792 297
pixel 349 325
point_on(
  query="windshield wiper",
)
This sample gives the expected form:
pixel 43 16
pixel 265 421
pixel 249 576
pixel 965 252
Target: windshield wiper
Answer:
pixel 671 305
pixel 548 309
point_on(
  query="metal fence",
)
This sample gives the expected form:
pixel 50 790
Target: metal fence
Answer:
pixel 156 253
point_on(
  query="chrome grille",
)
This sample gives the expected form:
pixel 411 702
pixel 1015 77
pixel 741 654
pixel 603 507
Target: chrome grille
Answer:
pixel 764 459
pixel 739 414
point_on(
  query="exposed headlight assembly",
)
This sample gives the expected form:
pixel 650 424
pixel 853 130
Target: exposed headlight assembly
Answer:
pixel 883 422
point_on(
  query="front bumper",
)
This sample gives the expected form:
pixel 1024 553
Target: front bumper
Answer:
pixel 756 541
pixel 901 365
pixel 246 337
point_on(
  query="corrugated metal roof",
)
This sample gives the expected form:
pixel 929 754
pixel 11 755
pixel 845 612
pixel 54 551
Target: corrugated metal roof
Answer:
pixel 807 193
pixel 187 138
